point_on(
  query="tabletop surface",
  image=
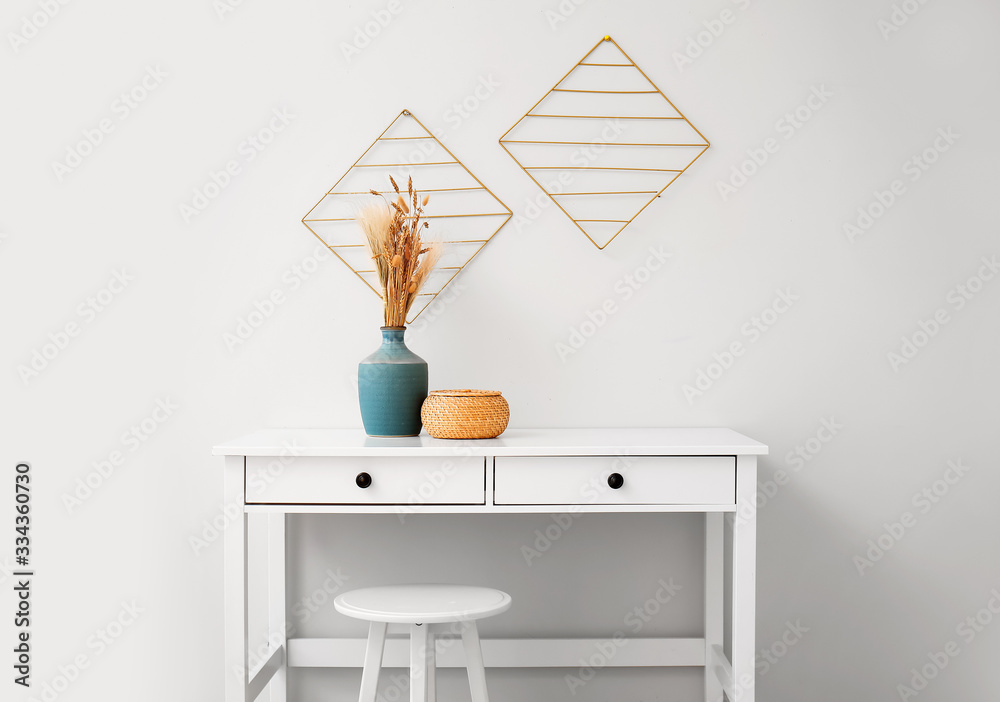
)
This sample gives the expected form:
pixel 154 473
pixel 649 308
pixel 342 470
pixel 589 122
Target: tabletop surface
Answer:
pixel 514 442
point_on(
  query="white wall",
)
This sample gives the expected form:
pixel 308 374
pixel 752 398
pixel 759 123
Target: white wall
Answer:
pixel 825 359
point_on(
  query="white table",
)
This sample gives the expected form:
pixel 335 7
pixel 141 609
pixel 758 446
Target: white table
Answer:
pixel 285 471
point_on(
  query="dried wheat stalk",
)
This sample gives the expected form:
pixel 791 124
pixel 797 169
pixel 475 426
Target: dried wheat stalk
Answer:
pixel 392 234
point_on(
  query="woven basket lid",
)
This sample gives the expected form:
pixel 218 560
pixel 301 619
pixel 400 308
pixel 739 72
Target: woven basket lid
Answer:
pixel 465 393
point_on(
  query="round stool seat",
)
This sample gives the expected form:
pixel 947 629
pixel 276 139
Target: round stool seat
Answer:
pixel 422 604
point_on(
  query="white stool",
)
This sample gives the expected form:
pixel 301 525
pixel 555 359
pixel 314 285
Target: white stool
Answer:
pixel 421 606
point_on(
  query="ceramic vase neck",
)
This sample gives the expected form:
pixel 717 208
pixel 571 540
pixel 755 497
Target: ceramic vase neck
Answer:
pixel 393 335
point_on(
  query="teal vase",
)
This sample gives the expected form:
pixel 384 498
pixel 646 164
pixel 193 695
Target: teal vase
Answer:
pixel 392 385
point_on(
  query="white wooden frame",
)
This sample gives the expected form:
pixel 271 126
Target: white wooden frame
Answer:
pixel 733 523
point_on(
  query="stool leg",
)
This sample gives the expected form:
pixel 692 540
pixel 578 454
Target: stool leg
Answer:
pixel 373 661
pixel 474 663
pixel 431 669
pixel 421 679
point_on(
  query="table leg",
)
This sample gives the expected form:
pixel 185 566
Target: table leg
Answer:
pixel 235 583
pixel 744 577
pixel 714 594
pixel 278 687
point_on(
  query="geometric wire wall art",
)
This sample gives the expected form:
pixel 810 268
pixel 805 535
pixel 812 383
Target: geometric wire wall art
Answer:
pixel 604 142
pixel 464 214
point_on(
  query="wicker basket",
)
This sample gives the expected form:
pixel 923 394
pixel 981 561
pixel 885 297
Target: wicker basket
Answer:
pixel 465 414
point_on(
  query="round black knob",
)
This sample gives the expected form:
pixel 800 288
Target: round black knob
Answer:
pixel 615 481
pixel 363 480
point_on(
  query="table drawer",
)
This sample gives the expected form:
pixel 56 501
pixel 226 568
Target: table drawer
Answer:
pixel 325 480
pixel 563 480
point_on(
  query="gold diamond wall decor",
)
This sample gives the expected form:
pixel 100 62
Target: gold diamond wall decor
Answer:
pixel 604 142
pixel 463 213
